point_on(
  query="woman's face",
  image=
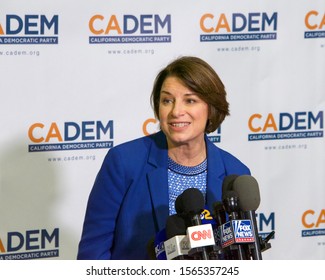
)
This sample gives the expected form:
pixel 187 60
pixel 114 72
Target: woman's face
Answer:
pixel 183 115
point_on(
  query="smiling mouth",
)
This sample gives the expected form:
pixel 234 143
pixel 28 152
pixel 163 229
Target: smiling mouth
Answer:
pixel 180 124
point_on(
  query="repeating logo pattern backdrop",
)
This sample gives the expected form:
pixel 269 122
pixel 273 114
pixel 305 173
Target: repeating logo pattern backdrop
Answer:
pixel 76 81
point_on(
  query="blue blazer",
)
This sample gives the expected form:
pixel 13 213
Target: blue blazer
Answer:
pixel 128 203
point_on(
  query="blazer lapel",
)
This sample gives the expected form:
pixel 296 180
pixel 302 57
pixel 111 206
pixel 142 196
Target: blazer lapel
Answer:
pixel 216 173
pixel 158 180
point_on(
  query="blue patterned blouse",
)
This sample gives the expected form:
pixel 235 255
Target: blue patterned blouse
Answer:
pixel 182 177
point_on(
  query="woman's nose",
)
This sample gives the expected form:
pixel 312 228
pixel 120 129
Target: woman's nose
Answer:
pixel 178 109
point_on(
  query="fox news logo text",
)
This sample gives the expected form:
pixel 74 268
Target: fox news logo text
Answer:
pixel 29 29
pixel 70 136
pixel 239 27
pixel 32 244
pixel 130 29
pixel 286 126
pixel 243 231
pixel 315 25
pixel 236 231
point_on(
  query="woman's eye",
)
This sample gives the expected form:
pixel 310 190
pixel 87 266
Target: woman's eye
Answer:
pixel 167 101
pixel 191 101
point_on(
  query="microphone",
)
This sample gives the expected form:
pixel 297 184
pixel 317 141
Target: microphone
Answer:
pixel 247 189
pixel 230 230
pixel 219 213
pixel 177 243
pixel 220 216
pixel 191 204
pixel 227 184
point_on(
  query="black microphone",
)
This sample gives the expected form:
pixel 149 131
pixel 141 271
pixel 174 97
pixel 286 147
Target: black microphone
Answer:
pixel 231 204
pixel 175 225
pixel 248 191
pixel 220 216
pixel 227 184
pixel 191 204
pixel 219 213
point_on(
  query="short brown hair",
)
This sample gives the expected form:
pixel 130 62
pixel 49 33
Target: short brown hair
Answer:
pixel 200 77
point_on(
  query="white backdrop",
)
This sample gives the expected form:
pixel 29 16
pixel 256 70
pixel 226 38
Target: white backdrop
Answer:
pixel 76 77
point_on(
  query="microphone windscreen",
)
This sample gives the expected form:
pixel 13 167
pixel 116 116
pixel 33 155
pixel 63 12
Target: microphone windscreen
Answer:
pixel 191 201
pixel 175 225
pixel 178 204
pixel 227 184
pixel 248 192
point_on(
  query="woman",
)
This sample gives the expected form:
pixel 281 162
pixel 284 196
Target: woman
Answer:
pixel 139 181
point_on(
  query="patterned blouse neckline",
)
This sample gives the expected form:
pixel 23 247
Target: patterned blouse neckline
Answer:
pixel 187 170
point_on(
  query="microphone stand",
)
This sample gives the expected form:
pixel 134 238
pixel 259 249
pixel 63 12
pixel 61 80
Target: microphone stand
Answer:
pixel 231 205
pixel 256 252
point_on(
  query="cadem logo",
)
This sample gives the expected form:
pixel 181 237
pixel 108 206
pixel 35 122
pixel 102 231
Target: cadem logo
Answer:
pixel 70 136
pixel 29 29
pixel 315 25
pixel 126 29
pixel 32 244
pixel 313 223
pixel 238 26
pixel 285 126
